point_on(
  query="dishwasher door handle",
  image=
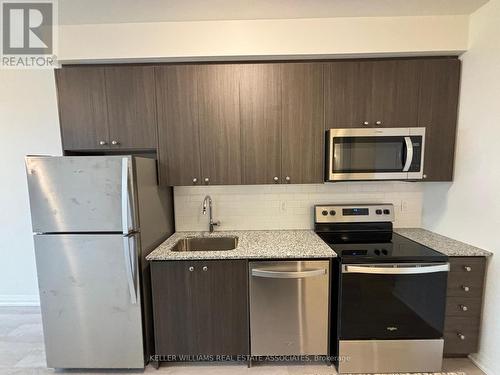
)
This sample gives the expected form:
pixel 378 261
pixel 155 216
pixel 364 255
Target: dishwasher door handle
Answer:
pixel 287 274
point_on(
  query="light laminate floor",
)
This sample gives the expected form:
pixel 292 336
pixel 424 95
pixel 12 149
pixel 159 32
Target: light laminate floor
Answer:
pixel 22 352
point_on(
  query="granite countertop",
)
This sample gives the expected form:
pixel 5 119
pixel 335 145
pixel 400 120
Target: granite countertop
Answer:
pixel 272 244
pixel 445 245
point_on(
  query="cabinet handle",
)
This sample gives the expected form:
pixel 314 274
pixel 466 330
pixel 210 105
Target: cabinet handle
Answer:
pixel 461 336
pixel 465 288
pixel 276 179
pixel 467 268
pixel 115 143
pixel 195 180
pixel 103 143
pixel 378 122
pixel 191 268
pixel 424 176
pixel 366 123
pixel 207 180
pixel 287 178
pixel 463 307
pixel 205 268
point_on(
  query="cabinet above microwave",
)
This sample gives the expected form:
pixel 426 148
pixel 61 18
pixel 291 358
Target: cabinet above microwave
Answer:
pixel 375 154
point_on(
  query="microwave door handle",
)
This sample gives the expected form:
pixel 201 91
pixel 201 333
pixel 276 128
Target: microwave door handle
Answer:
pixel 409 154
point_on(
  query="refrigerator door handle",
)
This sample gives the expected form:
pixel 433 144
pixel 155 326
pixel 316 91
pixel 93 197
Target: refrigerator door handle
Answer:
pixel 125 196
pixel 130 262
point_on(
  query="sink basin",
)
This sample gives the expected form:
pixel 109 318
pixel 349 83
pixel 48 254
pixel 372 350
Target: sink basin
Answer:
pixel 206 244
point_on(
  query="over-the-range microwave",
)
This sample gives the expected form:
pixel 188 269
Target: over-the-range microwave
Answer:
pixel 375 154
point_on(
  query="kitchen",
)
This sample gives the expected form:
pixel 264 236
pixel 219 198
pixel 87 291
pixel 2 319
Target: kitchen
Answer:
pixel 312 174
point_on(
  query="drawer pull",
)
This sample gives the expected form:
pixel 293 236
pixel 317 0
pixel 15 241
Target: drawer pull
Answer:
pixel 463 307
pixel 465 288
pixel 467 268
pixel 461 336
pixel 191 269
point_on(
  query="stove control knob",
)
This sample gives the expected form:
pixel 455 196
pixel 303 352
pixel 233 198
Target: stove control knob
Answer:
pixel 384 251
pixel 377 252
pixel 387 212
pixel 324 212
pixel 332 212
pixel 378 212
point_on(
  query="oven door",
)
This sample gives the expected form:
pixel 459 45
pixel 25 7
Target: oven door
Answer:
pixel 393 301
pixel 375 154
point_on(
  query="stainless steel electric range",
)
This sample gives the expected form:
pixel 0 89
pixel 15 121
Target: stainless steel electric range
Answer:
pixel 388 312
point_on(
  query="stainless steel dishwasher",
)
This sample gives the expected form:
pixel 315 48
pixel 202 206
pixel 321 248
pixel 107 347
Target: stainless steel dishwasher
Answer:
pixel 289 307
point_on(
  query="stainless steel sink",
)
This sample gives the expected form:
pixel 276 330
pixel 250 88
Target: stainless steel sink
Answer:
pixel 206 244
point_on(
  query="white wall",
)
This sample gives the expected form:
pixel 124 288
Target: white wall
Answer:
pixel 264 207
pixel 292 37
pixel 469 209
pixel 28 125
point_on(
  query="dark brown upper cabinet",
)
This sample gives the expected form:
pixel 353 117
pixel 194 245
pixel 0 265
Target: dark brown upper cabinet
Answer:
pixel 302 131
pixel 219 123
pixel 199 124
pixel 179 140
pixel 347 94
pixel 200 307
pixel 394 94
pixel 83 115
pixel 372 93
pixel 260 111
pixel 131 107
pixel 438 108
pixel 103 108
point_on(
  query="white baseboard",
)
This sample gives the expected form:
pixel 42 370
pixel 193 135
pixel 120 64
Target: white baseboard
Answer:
pixel 479 363
pixel 19 300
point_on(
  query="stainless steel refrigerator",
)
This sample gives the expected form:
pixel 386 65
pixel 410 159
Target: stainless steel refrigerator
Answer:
pixel 95 218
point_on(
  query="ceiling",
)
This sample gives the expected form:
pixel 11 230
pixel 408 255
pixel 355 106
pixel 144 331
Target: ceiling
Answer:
pixel 125 11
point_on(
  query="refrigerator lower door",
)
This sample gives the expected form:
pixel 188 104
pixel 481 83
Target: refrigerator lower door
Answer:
pixel 75 194
pixel 90 301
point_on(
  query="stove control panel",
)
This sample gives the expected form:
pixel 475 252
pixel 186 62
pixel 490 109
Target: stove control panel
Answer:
pixel 348 213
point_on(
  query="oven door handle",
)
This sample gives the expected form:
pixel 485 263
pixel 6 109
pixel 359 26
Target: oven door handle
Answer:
pixel 409 154
pixel 402 270
pixel 287 274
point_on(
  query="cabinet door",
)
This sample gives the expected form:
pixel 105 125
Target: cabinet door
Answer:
pixel 219 123
pixel 302 123
pixel 348 94
pixel 220 307
pixel 178 133
pixel 260 110
pixel 131 107
pixel 395 90
pixel 200 312
pixel 438 107
pixel 82 108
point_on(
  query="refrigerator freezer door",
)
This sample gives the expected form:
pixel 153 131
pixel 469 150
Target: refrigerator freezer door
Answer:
pixel 90 300
pixel 77 194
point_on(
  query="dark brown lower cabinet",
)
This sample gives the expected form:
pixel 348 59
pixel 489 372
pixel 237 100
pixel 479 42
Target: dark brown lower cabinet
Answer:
pixel 200 308
pixel 463 305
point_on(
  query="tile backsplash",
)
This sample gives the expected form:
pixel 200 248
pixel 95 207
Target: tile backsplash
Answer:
pixel 261 207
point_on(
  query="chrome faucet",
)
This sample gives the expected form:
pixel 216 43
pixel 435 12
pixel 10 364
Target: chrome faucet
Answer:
pixel 211 222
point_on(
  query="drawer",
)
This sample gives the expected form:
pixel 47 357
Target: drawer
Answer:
pixel 463 307
pixel 466 277
pixel 461 335
pixel 467 266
